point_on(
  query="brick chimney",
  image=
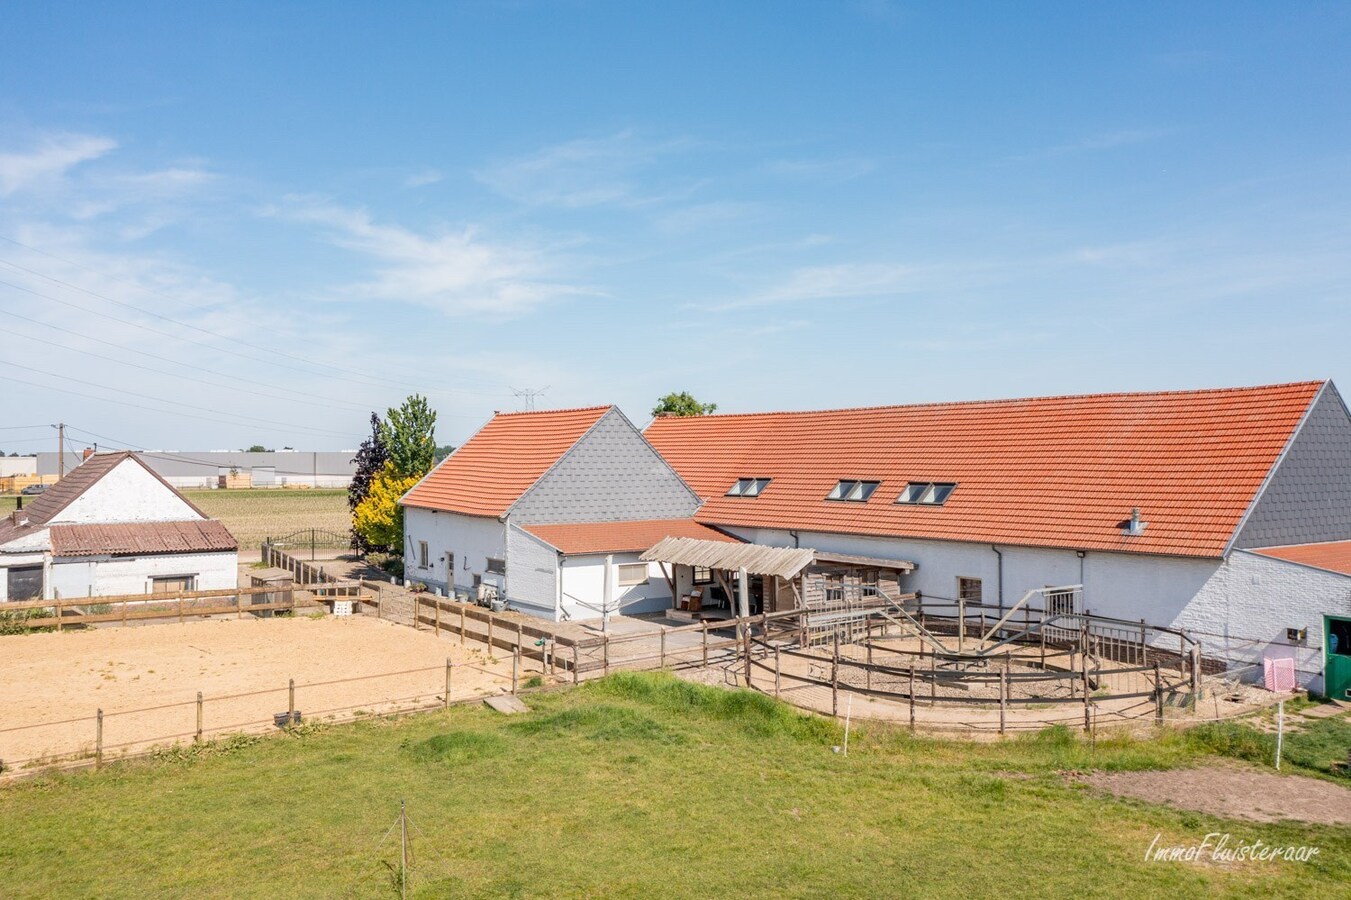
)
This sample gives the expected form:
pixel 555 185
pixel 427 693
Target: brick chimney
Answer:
pixel 88 452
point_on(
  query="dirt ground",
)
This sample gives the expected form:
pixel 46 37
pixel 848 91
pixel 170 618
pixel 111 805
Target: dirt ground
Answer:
pixel 1234 791
pixel 146 679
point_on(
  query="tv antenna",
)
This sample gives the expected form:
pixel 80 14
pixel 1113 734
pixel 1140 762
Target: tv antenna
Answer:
pixel 527 396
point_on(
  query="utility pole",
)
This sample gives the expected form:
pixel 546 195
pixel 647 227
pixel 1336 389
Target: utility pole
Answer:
pixel 527 396
pixel 60 451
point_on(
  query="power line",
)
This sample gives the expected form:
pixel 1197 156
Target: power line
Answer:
pixel 528 395
pixel 162 412
pixel 341 370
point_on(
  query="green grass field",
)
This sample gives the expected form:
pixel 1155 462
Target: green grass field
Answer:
pixel 635 786
pixel 253 515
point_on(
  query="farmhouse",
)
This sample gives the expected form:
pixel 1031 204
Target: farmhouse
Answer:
pixel 1166 507
pixel 112 526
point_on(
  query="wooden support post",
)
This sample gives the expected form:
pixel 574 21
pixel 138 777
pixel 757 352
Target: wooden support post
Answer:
pixel 776 673
pixel 198 738
pixel 520 636
pixel 1003 692
pixel 98 739
pixel 1087 723
pixel 450 668
pixel 662 663
pixel 290 703
pixel 704 628
pixel 835 676
pixel 515 667
pixel 490 634
pixel 746 640
pixel 1158 695
pixel 576 669
pixel 912 698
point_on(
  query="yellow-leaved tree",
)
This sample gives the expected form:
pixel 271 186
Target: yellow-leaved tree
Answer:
pixel 378 518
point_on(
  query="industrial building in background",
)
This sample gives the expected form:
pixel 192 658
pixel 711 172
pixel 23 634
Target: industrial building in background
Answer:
pixel 193 469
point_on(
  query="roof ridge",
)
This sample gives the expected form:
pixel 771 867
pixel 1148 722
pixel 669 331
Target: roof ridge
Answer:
pixel 542 412
pixel 1001 401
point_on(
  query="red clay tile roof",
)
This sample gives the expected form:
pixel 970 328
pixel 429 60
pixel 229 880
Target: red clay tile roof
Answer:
pixel 141 538
pixel 622 537
pixel 502 461
pixel 1335 556
pixel 1049 472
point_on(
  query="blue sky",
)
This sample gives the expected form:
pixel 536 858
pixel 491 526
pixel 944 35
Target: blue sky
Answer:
pixel 223 224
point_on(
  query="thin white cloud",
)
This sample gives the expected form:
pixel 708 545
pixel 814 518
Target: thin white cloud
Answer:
pixel 51 157
pixel 582 173
pixel 458 272
pixel 844 281
pixel 423 177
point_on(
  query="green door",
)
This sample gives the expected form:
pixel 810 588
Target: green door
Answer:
pixel 1337 657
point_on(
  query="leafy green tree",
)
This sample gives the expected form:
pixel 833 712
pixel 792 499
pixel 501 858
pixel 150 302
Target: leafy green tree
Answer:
pixel 370 461
pixel 409 433
pixel 682 404
pixel 443 451
pixel 378 519
pixel 258 448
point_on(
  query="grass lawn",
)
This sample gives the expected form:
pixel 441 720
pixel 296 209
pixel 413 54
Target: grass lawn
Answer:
pixel 255 514
pixel 635 786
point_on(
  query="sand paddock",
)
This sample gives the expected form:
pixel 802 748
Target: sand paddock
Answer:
pixel 146 679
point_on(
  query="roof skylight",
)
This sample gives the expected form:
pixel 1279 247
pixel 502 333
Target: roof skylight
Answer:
pixel 929 493
pixel 748 487
pixel 853 491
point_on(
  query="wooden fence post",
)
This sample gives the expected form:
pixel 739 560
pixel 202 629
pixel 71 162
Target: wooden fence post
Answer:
pixel 747 640
pixel 450 669
pixel 198 739
pixel 1003 692
pixel 835 676
pixel 912 698
pixel 520 637
pixel 98 739
pixel 1158 695
pixel 461 624
pixel 180 611
pixel 490 634
pixel 704 627
pixel 869 674
pixel 575 668
pixel 1087 722
pixel 605 650
pixel 662 663
pixel 515 667
pixel 437 601
pixel 776 673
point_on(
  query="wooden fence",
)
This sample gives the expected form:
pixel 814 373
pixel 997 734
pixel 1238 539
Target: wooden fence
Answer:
pixel 304 572
pixel 181 605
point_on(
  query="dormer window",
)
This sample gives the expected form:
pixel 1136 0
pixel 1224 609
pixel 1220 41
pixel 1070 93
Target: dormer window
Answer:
pixel 928 493
pixel 853 491
pixel 748 487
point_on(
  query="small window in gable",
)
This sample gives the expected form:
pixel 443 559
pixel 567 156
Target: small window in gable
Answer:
pixel 748 487
pixel 853 491
pixel 930 493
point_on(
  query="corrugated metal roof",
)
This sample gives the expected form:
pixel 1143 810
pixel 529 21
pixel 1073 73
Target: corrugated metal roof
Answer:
pixel 1334 556
pixel 1048 472
pixel 621 537
pixel 141 538
pixel 486 475
pixel 757 559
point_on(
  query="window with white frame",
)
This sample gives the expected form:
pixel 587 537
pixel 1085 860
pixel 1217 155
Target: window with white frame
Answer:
pixel 931 493
pixel 703 575
pixel 853 491
pixel 748 487
pixel 631 574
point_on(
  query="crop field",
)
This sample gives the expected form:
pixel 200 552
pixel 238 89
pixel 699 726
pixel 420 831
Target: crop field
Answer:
pixel 637 786
pixel 253 515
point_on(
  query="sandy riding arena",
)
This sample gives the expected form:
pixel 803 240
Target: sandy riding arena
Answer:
pixel 146 680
